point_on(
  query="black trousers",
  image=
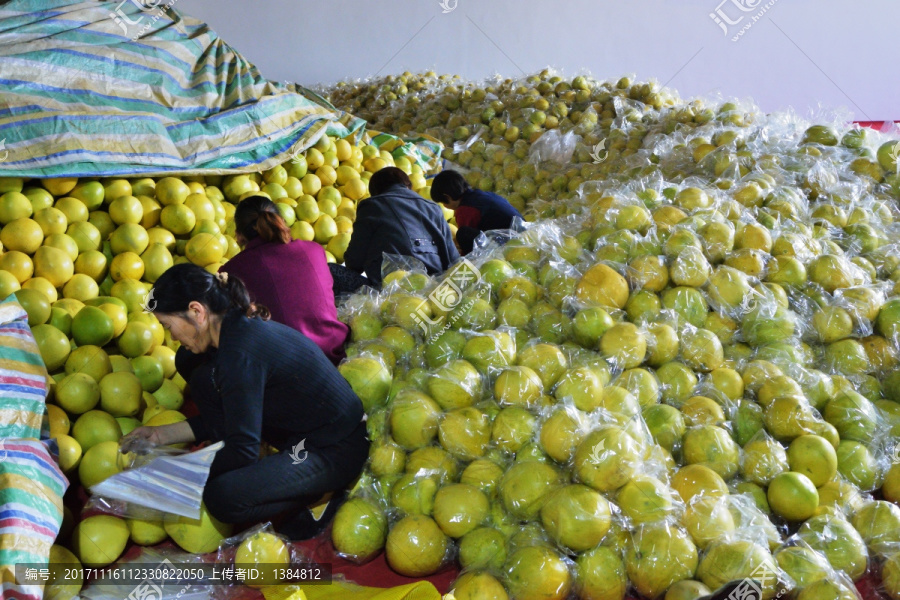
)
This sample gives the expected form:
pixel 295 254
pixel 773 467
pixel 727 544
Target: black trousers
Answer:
pixel 277 485
pixel 346 281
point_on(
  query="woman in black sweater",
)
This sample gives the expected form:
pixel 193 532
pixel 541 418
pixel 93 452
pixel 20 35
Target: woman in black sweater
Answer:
pixel 265 382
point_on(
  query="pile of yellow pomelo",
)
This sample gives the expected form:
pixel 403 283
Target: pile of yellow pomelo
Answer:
pixel 81 256
pixel 684 373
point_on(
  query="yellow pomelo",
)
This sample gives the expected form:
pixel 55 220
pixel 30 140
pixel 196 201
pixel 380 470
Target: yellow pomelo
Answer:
pixel 157 260
pixel 178 218
pixel 100 540
pixel 53 345
pixel 150 211
pixel 9 284
pixel 69 452
pixel 59 421
pixel 75 210
pixel 92 326
pixel 81 287
pixel 129 237
pixel 36 304
pixel 171 191
pixel 201 206
pixel 132 293
pixel 14 205
pixel 89 360
pixel 92 263
pixel 266 554
pixel 51 220
pixel 204 249
pixel 198 536
pixel 59 186
pixel 86 236
pixel 120 394
pixel 146 533
pixel 95 427
pixel 77 393
pixel 416 546
pixel 118 317
pixel 24 235
pixel 126 209
pixel 66 577
pixel 99 462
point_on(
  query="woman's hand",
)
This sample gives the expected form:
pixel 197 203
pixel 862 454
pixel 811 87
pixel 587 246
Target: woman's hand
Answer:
pixel 148 436
pixel 142 438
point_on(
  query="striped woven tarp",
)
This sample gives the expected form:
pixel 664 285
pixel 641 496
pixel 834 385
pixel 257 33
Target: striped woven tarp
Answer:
pixel 31 510
pixel 122 87
pixel 23 377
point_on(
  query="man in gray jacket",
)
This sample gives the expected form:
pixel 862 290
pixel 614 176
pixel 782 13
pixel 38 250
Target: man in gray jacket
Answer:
pixel 397 220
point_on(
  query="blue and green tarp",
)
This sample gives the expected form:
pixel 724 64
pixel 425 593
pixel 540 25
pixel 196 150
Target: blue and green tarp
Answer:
pixel 131 87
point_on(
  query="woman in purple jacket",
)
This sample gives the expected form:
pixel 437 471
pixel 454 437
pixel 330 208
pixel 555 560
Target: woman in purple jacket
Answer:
pixel 291 278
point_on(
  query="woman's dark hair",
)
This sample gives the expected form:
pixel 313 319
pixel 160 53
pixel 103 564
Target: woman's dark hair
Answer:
pixel 448 185
pixel 257 216
pixel 387 177
pixel 185 283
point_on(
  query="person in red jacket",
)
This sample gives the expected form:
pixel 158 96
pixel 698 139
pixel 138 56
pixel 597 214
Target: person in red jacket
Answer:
pixel 291 278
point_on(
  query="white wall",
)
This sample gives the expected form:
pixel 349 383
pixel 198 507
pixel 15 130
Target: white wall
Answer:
pixel 806 54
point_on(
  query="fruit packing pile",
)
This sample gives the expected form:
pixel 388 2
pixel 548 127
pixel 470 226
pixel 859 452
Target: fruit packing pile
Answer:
pixel 81 255
pixel 684 373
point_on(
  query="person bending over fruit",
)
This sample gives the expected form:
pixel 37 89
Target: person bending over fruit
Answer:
pixel 475 210
pixel 266 382
pixel 397 220
pixel 291 278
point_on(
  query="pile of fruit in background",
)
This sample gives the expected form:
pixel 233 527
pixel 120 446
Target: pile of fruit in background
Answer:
pixel 684 374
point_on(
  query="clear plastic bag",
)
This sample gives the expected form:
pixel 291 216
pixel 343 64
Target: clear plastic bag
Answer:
pixel 157 483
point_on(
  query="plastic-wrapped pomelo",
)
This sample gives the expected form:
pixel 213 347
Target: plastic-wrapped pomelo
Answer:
pixel 576 517
pixel 537 573
pixel 518 385
pixel 657 556
pixel 416 546
pixel 359 530
pixel 369 378
pixel 265 555
pixel 525 487
pixel 455 385
pixel 484 474
pixel 465 433
pixel 414 494
pixel 836 538
pixel 706 519
pixel 512 428
pixel 460 508
pixel 739 559
pixel 414 419
pixel 606 459
pixel 802 564
pixel 482 548
pixel 475 585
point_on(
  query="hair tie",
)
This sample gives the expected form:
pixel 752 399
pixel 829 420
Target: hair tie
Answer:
pixel 222 277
